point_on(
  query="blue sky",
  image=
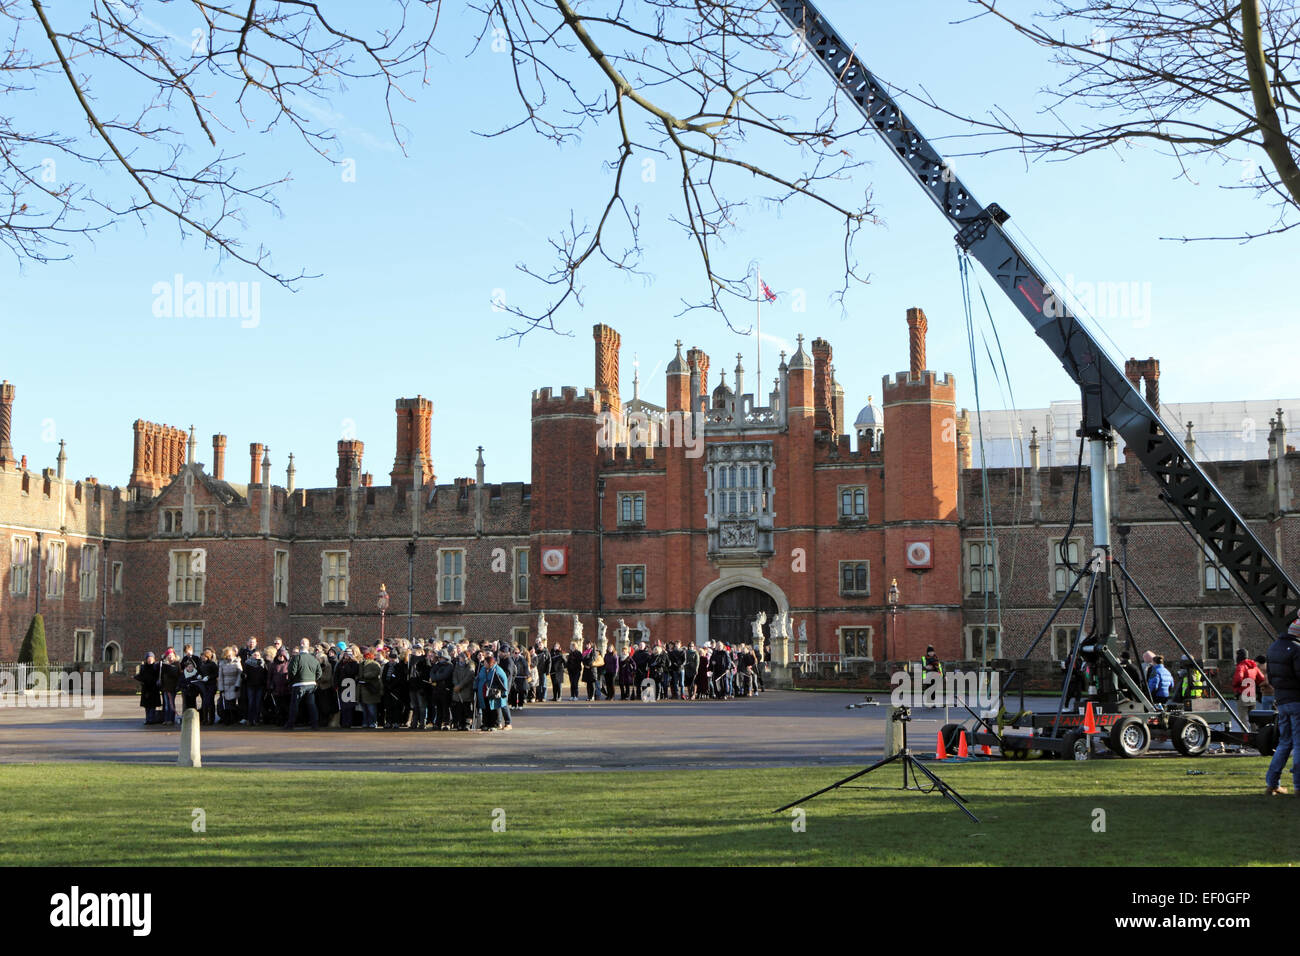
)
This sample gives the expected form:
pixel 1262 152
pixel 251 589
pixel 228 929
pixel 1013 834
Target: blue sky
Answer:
pixel 412 252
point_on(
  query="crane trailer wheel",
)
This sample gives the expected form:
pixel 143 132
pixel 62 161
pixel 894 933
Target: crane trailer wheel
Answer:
pixel 1190 735
pixel 1076 746
pixel 1130 737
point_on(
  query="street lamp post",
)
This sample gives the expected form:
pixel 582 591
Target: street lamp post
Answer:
pixel 892 600
pixel 410 590
pixel 382 604
pixel 600 548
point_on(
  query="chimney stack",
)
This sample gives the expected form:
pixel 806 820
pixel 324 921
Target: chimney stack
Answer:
pixel 699 365
pixel 6 424
pixel 350 451
pixel 255 450
pixel 822 414
pixel 837 405
pixel 159 454
pixel 266 492
pixel 219 457
pixel 916 326
pixel 607 345
pixel 1139 371
pixel 413 417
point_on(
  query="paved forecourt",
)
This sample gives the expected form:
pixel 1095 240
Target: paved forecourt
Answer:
pixel 773 729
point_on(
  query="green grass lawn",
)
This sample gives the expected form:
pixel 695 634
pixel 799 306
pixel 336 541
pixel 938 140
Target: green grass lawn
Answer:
pixel 1039 812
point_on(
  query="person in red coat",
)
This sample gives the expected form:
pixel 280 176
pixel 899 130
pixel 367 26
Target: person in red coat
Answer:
pixel 1246 680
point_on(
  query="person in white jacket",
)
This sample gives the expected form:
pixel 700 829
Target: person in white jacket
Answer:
pixel 230 676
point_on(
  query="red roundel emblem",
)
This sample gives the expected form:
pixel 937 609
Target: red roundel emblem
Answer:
pixel 918 554
pixel 555 560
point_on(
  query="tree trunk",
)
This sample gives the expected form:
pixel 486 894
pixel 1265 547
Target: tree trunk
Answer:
pixel 1275 144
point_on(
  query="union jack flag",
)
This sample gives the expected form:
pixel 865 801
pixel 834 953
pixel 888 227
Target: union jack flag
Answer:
pixel 768 294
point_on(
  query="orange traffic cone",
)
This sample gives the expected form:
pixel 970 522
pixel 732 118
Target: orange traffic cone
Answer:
pixel 962 750
pixel 939 752
pixel 986 750
pixel 1089 720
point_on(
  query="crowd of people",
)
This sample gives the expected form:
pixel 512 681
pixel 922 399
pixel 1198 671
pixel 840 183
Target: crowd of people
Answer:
pixel 428 686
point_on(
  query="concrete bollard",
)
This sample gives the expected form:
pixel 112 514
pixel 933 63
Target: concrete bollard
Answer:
pixel 189 755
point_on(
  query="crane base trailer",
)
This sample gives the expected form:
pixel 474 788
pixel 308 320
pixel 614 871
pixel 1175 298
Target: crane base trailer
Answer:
pixel 1128 730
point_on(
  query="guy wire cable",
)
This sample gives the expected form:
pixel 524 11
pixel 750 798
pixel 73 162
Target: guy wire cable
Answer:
pixel 963 268
pixel 1018 491
pixel 1061 289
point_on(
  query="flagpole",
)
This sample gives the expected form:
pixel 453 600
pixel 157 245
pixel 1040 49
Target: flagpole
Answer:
pixel 758 306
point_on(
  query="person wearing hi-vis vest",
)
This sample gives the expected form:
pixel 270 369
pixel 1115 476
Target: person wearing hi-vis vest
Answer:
pixel 930 663
pixel 1191 683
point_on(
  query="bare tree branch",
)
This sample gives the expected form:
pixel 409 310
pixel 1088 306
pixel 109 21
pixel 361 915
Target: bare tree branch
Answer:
pixel 1197 79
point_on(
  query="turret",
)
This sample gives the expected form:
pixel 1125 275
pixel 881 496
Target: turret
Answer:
pixel 678 376
pixel 800 384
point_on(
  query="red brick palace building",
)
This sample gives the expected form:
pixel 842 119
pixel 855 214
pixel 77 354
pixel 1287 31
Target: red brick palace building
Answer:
pixel 702 512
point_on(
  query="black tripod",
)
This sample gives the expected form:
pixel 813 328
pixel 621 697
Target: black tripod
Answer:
pixel 910 766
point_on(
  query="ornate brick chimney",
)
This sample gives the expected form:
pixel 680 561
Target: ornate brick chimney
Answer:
pixel 916 328
pixel 823 417
pixel 607 345
pixel 6 424
pixel 698 362
pixel 413 429
pixel 159 453
pixel 1140 371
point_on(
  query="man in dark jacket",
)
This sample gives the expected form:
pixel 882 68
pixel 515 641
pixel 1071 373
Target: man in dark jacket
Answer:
pixel 304 672
pixel 676 661
pixel 245 653
pixel 149 675
pixel 518 679
pixel 506 662
pixel 745 664
pixel 659 672
pixel 169 681
pixel 720 666
pixel 574 664
pixel 690 670
pixel 440 676
pixel 1284 675
pixel 254 685
pixel 611 671
pixel 557 673
pixel 542 661
pixel 209 670
pixel 395 700
pixel 347 673
pixel 641 658
pixel 418 686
